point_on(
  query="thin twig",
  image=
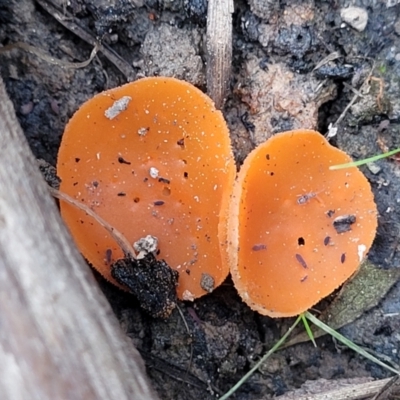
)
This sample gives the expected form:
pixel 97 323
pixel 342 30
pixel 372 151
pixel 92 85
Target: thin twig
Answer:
pixel 330 57
pixel 51 60
pixel 72 24
pixel 115 233
pixel 355 97
pixel 189 367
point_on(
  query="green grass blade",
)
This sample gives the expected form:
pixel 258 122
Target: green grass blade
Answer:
pixel 348 342
pixel 262 360
pixel 308 329
pixel 365 160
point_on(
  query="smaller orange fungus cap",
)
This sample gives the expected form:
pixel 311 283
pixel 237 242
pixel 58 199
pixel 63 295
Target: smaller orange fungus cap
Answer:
pixel 152 157
pixel 297 229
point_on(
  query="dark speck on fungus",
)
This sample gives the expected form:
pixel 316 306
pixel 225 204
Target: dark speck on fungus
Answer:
pixel 301 261
pixel 330 213
pixel 121 160
pixel 108 256
pixel 258 247
pixel 343 223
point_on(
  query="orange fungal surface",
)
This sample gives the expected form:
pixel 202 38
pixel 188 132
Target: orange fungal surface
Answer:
pixel 152 157
pixel 297 230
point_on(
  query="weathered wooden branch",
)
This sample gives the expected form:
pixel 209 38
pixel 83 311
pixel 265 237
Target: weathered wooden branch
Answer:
pixel 58 336
pixel 342 389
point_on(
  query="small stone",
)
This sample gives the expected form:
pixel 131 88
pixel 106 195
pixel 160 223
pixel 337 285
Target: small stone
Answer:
pixel 145 245
pixel 26 108
pixel 356 17
pixel 187 296
pixel 374 168
pixel 207 282
pixel 153 172
pixel 264 8
pixel 143 131
pixel 392 3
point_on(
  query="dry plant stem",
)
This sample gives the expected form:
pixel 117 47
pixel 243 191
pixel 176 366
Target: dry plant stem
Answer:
pixel 74 26
pixel 330 57
pixel 355 97
pixel 342 115
pixel 191 343
pixel 219 49
pixel 59 338
pixel 51 60
pixel 116 234
pixel 390 390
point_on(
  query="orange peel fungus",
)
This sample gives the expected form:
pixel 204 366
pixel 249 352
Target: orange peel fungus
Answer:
pixel 297 230
pixel 152 157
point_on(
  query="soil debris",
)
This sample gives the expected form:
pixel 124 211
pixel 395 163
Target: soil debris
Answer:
pixel 343 223
pixel 356 17
pixel 279 99
pixel 151 281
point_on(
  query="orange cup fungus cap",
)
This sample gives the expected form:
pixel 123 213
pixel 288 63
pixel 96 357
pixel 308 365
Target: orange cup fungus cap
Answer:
pixel 297 229
pixel 152 157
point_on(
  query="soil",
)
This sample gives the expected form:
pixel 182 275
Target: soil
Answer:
pixel 278 83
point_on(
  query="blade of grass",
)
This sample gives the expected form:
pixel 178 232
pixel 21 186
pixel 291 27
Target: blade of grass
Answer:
pixel 348 342
pixel 262 360
pixel 308 329
pixel 365 160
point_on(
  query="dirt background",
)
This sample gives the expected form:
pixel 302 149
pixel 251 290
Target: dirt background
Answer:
pixel 277 83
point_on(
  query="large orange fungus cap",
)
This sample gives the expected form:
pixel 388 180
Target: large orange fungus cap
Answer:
pixel 151 157
pixel 297 229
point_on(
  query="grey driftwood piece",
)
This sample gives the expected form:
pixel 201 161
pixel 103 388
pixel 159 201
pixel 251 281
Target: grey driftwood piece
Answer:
pixel 219 49
pixel 58 336
pixel 343 389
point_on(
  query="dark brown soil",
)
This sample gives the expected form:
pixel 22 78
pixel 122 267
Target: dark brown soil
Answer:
pixel 275 86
